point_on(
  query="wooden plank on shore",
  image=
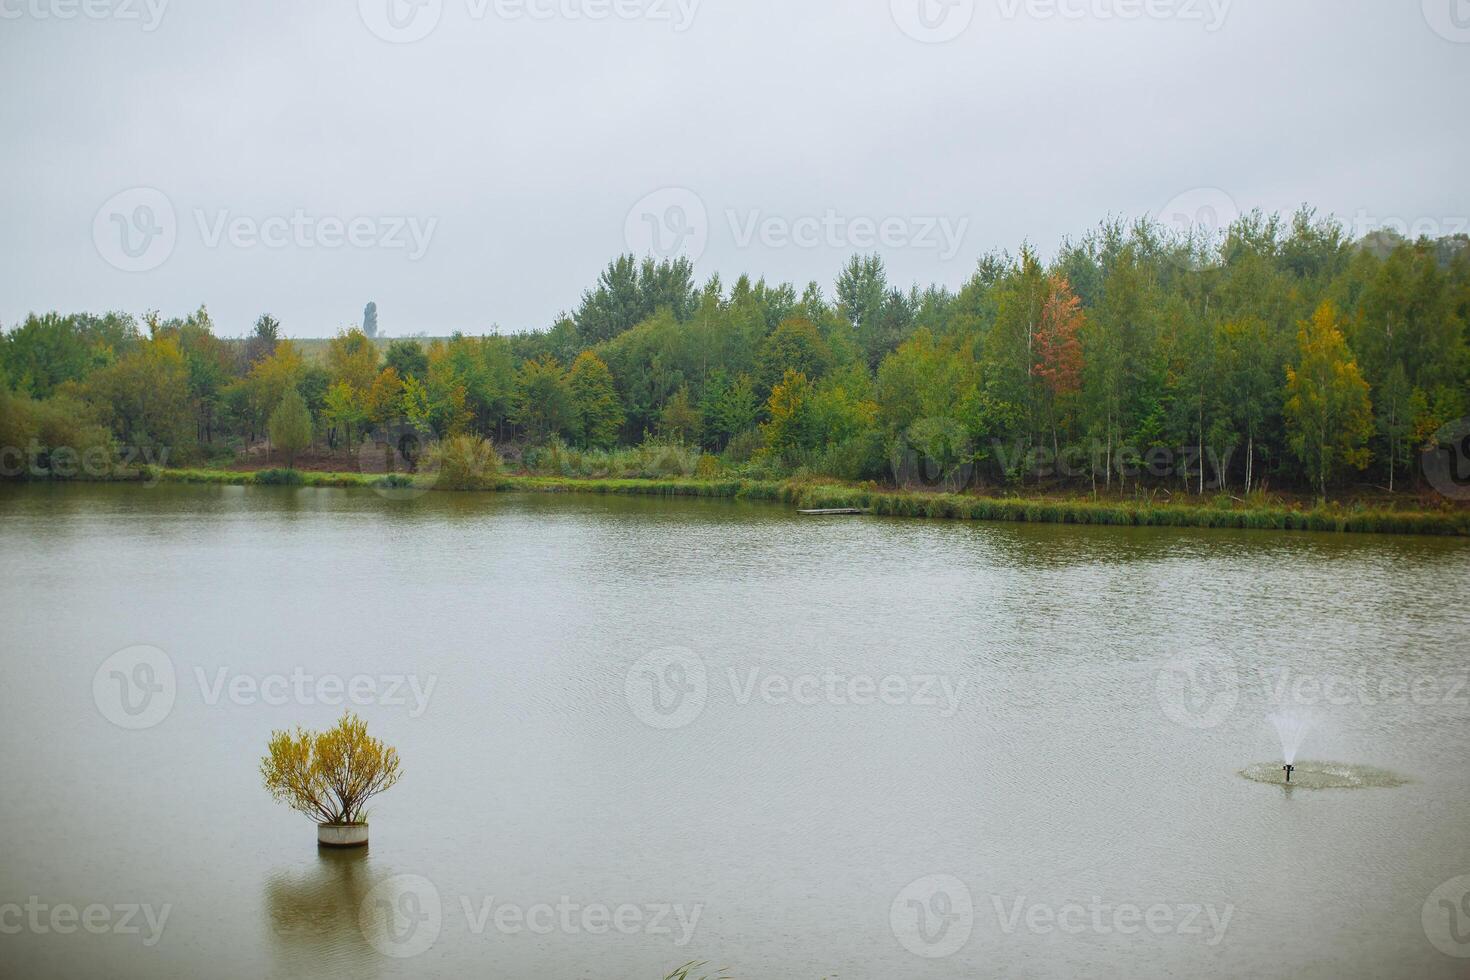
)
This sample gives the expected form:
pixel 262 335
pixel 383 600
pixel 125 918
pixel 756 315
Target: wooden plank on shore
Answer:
pixel 833 512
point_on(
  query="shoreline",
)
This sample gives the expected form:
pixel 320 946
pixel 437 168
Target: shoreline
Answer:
pixel 1342 519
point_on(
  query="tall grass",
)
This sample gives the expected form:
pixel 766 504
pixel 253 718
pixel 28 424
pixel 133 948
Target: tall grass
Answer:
pixel 463 462
pixel 694 970
pixel 655 459
pixel 1136 514
pixel 1253 514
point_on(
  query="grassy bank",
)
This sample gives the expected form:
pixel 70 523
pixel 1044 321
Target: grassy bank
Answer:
pixel 1341 518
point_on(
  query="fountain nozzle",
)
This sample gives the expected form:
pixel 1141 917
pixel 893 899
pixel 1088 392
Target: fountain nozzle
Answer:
pixel 1288 770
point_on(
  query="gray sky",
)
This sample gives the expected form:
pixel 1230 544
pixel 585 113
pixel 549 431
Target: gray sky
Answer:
pixel 304 158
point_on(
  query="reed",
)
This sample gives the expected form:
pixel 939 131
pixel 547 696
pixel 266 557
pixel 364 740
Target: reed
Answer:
pixel 1255 515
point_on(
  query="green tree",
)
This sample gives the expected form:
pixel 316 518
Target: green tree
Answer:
pixel 595 408
pixel 543 405
pixel 408 359
pixel 1248 382
pixel 628 293
pixel 731 407
pixel 880 318
pixel 680 418
pixel 795 345
pixel 46 351
pixel 263 339
pixel 290 426
pixel 144 398
pixel 1393 419
pixel 346 407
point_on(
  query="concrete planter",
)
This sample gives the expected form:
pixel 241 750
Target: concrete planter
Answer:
pixel 342 834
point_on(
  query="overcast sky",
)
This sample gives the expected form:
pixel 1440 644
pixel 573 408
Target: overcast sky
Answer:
pixel 302 158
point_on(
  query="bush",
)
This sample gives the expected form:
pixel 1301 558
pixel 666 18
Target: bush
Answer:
pixel 860 457
pixel 464 462
pixel 53 439
pixel 279 478
pixel 708 467
pixel 654 460
pixel 743 447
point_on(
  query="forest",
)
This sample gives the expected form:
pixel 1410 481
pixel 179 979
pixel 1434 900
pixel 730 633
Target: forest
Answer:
pixel 1280 355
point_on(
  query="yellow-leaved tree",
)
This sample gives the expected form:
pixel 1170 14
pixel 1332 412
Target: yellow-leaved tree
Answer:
pixel 330 775
pixel 1329 416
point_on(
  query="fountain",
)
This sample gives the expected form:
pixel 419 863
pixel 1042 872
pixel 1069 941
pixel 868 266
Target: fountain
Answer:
pixel 1292 725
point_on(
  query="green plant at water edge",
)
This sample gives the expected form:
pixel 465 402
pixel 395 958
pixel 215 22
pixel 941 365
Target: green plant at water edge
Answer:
pixel 687 971
pixel 463 462
pixel 653 459
pixel 279 478
pixel 330 775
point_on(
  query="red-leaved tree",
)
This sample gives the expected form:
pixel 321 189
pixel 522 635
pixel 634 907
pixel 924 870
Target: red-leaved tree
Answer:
pixel 1059 349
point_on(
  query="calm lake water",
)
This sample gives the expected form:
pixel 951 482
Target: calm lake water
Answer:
pixel 641 732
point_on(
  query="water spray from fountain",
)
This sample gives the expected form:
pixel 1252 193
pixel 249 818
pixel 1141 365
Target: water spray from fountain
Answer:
pixel 1291 725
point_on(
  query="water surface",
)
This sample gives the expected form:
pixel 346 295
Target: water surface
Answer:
pixel 1068 712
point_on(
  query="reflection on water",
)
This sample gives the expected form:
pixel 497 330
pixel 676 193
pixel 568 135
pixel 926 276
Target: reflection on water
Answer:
pixel 345 915
pixel 1062 771
pixel 314 914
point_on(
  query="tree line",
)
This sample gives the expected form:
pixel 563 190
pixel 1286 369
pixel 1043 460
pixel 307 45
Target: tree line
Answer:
pixel 1280 353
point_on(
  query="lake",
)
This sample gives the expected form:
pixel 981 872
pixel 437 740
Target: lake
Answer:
pixel 638 732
